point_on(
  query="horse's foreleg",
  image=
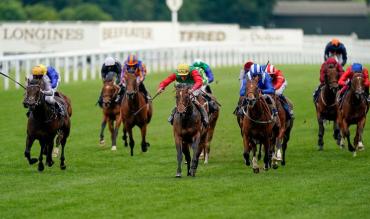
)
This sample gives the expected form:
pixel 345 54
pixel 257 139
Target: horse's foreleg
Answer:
pixel 358 139
pixel 246 149
pixel 268 151
pixel 27 151
pixel 132 142
pixel 103 124
pixel 124 137
pixel 196 153
pixel 285 144
pixel 346 134
pixel 144 144
pixel 321 134
pixel 41 165
pixel 111 130
pixel 336 134
pixel 115 132
pixel 49 149
pixel 186 151
pixel 255 166
pixel 178 142
pixel 62 158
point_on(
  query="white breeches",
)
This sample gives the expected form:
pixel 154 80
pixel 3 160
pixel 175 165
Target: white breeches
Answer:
pixel 50 98
pixel 280 91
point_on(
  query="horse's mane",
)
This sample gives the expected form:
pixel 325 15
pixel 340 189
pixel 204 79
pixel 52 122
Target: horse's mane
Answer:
pixel 35 81
pixel 110 76
pixel 183 86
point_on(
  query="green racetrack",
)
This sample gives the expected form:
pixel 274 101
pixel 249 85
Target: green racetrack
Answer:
pixel 99 183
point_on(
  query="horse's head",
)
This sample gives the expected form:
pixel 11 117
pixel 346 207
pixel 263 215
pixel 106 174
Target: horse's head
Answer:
pixel 358 84
pixel 331 77
pixel 132 86
pixel 33 96
pixel 183 100
pixel 252 92
pixel 109 92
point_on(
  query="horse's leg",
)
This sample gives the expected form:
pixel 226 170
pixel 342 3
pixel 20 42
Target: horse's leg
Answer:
pixel 144 144
pixel 259 152
pixel 196 153
pixel 186 151
pixel 111 130
pixel 336 134
pixel 267 156
pixel 62 158
pixel 49 148
pixel 103 124
pixel 346 134
pixel 178 142
pixel 132 142
pixel 358 139
pixel 27 151
pixel 115 132
pixel 255 166
pixel 41 165
pixel 246 145
pixel 124 137
pixel 321 134
pixel 285 143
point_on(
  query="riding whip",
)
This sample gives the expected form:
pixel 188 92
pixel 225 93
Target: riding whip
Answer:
pixel 145 104
pixel 13 80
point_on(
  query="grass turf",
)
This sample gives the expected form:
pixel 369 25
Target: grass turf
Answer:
pixel 99 183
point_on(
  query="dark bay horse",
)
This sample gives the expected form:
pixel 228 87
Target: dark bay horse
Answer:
pixel 326 105
pixel 43 125
pixel 353 110
pixel 281 132
pixel 257 125
pixel 134 112
pixel 187 129
pixel 111 110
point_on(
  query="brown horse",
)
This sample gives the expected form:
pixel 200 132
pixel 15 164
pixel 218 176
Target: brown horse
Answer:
pixel 187 129
pixel 134 112
pixel 111 111
pixel 44 125
pixel 281 132
pixel 326 106
pixel 353 110
pixel 257 125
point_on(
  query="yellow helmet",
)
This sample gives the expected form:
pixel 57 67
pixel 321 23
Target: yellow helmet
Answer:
pixel 183 69
pixel 39 70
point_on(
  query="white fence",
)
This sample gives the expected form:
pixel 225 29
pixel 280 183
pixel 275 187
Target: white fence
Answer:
pixel 85 65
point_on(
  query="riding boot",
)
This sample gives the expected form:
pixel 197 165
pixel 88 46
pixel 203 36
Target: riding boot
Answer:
pixel 120 94
pixel 271 104
pixel 28 113
pixel 171 117
pixel 59 109
pixel 142 88
pixel 100 100
pixel 286 106
pixel 316 93
pixel 208 89
pixel 203 113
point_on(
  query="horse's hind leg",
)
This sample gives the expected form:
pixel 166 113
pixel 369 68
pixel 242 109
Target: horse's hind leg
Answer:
pixel 321 134
pixel 41 165
pixel 196 153
pixel 124 137
pixel 144 144
pixel 132 142
pixel 336 134
pixel 186 151
pixel 358 138
pixel 27 151
pixel 346 134
pixel 49 148
pixel 115 132
pixel 285 144
pixel 112 134
pixel 103 124
pixel 178 142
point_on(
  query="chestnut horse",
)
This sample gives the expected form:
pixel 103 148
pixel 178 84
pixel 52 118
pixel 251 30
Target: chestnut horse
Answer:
pixel 353 110
pixel 43 125
pixel 111 110
pixel 326 105
pixel 134 113
pixel 257 125
pixel 187 129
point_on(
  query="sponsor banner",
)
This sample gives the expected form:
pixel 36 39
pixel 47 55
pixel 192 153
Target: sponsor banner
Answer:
pixel 276 39
pixel 47 36
pixel 209 33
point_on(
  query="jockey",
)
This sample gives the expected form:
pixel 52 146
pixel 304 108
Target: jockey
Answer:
pixel 329 63
pixel 110 65
pixel 208 72
pixel 337 50
pixel 51 81
pixel 244 71
pixel 264 84
pixel 279 83
pixel 188 75
pixel 347 76
pixel 135 66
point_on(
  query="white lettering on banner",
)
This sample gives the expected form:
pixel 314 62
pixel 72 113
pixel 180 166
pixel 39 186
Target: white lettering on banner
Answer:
pixel 187 36
pixel 127 32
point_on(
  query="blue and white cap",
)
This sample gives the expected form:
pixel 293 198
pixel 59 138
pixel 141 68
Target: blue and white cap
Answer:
pixel 356 67
pixel 255 70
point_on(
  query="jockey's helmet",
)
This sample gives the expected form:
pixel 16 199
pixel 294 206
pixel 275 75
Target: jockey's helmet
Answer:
pixel 183 69
pixel 270 69
pixel 255 70
pixel 335 42
pixel 248 65
pixel 132 60
pixel 356 67
pixel 109 61
pixel 197 62
pixel 39 70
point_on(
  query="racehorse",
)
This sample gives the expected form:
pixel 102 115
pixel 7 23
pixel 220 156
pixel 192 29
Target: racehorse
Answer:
pixel 257 125
pixel 111 110
pixel 188 130
pixel 135 111
pixel 326 105
pixel 43 125
pixel 281 131
pixel 206 143
pixel 353 110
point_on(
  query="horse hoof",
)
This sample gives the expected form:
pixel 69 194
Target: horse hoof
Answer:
pixel 147 144
pixel 144 149
pixel 283 163
pixel 126 144
pixel 33 161
pixel 102 142
pixel 257 170
pixel 114 148
pixel 178 175
pixel 50 164
pixel 41 167
pixel 63 167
